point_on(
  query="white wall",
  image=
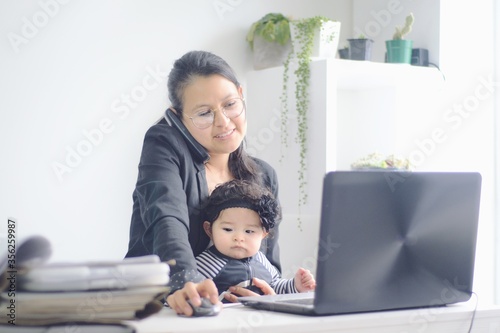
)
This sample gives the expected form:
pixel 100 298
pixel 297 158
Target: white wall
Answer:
pixel 466 112
pixel 88 76
pixel 496 116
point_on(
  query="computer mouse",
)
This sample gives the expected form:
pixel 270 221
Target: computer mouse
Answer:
pixel 205 309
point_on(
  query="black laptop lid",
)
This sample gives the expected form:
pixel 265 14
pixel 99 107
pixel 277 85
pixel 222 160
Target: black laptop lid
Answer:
pixel 393 240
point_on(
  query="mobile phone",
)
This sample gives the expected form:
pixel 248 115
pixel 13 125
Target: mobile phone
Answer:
pixel 197 149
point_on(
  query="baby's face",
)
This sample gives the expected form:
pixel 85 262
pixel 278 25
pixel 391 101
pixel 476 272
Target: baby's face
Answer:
pixel 238 232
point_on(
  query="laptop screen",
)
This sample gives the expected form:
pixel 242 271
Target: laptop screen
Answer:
pixel 391 240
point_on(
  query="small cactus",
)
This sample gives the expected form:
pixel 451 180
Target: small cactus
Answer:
pixel 406 29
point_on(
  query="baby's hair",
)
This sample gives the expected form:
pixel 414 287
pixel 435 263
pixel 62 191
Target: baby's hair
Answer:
pixel 244 194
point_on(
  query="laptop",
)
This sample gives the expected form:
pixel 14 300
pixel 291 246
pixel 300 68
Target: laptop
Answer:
pixel 390 240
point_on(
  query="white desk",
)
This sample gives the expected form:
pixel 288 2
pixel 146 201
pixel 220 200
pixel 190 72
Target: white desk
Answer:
pixel 239 319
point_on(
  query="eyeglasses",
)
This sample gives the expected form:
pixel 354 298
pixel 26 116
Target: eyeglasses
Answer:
pixel 232 108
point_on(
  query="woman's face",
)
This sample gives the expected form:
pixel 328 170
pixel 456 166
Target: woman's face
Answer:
pixel 213 92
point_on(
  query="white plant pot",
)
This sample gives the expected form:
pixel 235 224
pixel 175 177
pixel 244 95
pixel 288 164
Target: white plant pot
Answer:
pixel 326 39
pixel 267 54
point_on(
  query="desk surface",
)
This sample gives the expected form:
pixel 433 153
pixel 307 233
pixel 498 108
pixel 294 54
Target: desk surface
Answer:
pixel 240 319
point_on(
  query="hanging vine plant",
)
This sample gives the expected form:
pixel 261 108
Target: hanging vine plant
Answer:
pixel 305 30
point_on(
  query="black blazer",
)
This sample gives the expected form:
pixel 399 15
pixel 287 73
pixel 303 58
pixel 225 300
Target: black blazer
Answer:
pixel 171 189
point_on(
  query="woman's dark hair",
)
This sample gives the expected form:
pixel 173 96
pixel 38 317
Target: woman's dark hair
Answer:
pixel 239 193
pixel 196 64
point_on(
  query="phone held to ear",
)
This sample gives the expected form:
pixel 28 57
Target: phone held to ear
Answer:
pixel 196 148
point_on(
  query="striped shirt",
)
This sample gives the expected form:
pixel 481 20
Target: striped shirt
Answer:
pixel 226 271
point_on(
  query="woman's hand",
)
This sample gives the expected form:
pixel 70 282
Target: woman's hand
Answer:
pixel 236 291
pixel 193 291
pixel 304 280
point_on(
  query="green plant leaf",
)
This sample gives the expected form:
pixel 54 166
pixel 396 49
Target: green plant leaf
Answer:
pixel 401 32
pixel 273 27
pixel 251 34
pixel 282 32
pixel 267 31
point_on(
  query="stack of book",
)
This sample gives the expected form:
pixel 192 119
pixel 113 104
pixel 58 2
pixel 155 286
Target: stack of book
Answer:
pixel 100 294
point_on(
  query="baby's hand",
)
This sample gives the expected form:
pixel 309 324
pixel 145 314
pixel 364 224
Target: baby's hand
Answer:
pixel 304 280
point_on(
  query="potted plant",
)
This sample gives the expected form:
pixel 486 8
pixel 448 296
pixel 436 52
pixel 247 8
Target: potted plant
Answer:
pixel 311 37
pixel 376 161
pixel 319 32
pixel 360 48
pixel 399 49
pixel 344 52
pixel 269 39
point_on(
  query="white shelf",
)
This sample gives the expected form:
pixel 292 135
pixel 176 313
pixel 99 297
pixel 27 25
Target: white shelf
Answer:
pixel 358 75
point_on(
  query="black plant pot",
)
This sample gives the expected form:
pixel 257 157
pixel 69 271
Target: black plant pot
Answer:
pixel 344 53
pixel 360 49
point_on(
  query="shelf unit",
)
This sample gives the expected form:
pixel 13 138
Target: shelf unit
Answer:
pixel 356 108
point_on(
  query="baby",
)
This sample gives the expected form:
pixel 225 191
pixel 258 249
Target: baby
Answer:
pixel 239 215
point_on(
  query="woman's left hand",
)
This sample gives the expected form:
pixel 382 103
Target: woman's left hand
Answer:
pixel 236 291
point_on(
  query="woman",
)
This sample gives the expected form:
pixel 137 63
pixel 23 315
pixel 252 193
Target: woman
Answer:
pixel 182 162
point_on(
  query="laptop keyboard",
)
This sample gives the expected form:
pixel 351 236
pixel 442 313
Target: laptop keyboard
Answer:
pixel 303 301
